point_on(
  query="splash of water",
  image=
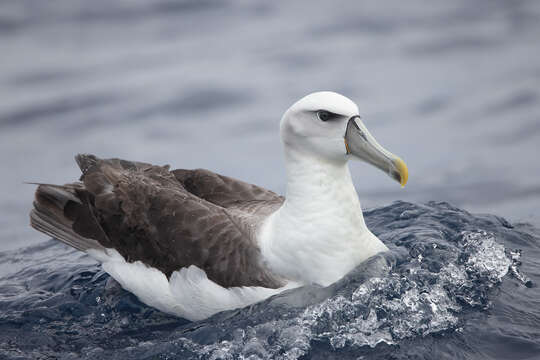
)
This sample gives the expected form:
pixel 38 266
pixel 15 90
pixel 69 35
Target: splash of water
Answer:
pixel 440 269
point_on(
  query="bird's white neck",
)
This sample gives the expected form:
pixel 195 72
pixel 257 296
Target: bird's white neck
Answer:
pixel 312 179
pixel 319 233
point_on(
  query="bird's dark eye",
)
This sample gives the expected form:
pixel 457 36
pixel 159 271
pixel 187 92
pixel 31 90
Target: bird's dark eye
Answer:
pixel 325 115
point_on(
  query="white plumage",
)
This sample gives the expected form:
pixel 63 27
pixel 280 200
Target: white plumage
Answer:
pixel 188 293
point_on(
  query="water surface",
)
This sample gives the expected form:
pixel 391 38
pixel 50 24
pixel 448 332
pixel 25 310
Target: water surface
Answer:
pixel 454 286
pixel 451 87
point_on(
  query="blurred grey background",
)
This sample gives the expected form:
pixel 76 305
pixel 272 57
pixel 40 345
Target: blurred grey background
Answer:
pixel 450 86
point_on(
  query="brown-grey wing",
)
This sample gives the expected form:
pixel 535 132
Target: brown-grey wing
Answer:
pixel 146 214
pixel 223 190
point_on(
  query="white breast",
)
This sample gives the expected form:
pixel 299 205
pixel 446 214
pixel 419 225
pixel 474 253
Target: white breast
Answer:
pixel 319 233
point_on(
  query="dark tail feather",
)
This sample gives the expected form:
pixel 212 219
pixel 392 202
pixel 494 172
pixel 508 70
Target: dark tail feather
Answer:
pixel 48 215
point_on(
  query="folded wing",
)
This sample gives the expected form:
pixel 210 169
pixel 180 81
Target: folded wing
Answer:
pixel 166 219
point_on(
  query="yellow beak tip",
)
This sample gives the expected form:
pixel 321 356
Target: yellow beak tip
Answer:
pixel 403 171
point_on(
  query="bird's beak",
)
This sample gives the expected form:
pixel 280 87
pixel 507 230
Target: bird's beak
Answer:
pixel 360 143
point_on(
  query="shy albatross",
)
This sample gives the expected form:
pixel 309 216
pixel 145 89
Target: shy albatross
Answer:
pixel 193 243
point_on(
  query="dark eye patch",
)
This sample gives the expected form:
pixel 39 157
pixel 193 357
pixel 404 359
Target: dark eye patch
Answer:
pixel 324 115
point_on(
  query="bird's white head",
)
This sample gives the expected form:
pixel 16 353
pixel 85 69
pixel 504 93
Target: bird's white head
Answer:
pixel 326 125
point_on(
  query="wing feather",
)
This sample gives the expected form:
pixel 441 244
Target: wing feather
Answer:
pixel 168 220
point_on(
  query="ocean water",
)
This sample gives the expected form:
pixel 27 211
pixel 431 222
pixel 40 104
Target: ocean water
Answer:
pixel 454 286
pixel 452 87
